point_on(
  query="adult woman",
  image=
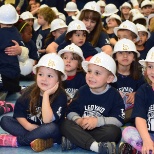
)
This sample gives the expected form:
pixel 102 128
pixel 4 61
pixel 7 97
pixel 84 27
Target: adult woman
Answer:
pixel 91 16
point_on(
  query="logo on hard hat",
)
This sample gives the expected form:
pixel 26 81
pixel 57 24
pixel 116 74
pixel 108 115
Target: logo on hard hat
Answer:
pixel 152 56
pixel 51 63
pixel 78 27
pixel 71 49
pixel 125 47
pixel 97 60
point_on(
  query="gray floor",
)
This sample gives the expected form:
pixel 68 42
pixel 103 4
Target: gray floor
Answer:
pixel 56 149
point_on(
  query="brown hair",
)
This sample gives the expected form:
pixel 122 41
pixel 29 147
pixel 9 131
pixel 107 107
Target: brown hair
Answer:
pixel 135 71
pixel 35 93
pixel 151 25
pixel 117 21
pixel 140 21
pixel 48 14
pixel 93 15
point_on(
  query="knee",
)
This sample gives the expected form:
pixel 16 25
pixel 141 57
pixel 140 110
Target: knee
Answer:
pixel 65 126
pixel 4 121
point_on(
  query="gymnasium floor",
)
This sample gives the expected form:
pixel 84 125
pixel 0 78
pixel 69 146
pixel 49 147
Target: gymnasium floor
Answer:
pixel 56 149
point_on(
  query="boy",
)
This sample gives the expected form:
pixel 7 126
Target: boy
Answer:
pixel 45 16
pixel 96 111
pixel 146 8
pixel 128 30
pixel 140 45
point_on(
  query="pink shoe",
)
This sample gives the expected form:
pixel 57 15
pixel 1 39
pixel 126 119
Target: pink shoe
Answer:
pixel 8 107
pixel 8 140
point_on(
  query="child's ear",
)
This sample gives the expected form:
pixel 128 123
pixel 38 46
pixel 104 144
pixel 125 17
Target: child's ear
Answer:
pixel 110 78
pixel 134 40
pixel 53 33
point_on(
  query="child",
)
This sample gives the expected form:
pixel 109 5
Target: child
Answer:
pixel 9 65
pixel 57 28
pixel 45 17
pixel 125 8
pixel 26 68
pixel 71 10
pixel 128 73
pixel 102 5
pixel 40 110
pixel 96 110
pixel 72 56
pixel 27 17
pixel 128 30
pixel 144 36
pixel 113 21
pixel 146 8
pixel 77 34
pixel 141 137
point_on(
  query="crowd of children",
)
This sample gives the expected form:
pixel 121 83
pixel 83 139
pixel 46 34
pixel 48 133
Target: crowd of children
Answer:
pixel 93 72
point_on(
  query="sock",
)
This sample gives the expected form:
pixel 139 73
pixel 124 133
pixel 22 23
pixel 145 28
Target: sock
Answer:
pixel 94 146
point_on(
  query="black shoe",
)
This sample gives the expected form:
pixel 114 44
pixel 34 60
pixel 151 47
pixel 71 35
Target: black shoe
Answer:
pixel 107 148
pixel 66 144
pixel 125 148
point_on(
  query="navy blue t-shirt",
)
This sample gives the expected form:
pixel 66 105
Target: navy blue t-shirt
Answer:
pixel 9 65
pixel 72 86
pixel 68 19
pixel 150 42
pixel 32 50
pixel 40 37
pixel 58 106
pixel 87 48
pixel 144 105
pixel 143 53
pixel 109 104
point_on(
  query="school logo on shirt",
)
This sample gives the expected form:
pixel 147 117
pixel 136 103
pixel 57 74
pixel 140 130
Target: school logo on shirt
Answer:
pixel 59 111
pixel 150 120
pixel 93 111
pixel 39 42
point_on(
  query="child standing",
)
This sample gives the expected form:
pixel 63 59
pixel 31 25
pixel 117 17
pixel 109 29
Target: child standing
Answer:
pixel 129 76
pixel 9 65
pixel 45 16
pixel 142 137
pixel 40 110
pixel 77 34
pixel 144 36
pixel 93 113
pixel 73 56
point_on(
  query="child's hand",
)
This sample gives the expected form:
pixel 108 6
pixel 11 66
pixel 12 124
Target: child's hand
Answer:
pixel 52 90
pixel 148 146
pixel 89 123
pixel 130 97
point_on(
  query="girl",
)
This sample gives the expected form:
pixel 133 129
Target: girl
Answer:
pixel 57 28
pixel 125 8
pixel 77 34
pixel 91 17
pixel 26 33
pixel 113 21
pixel 128 73
pixel 142 137
pixel 73 56
pixel 40 110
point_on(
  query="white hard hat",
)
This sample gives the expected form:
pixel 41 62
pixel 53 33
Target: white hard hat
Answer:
pixel 76 25
pixel 125 4
pixel 43 5
pixel 62 16
pixel 110 9
pixel 57 24
pixel 72 48
pixel 26 15
pixel 54 61
pixel 125 45
pixel 128 25
pixel 55 11
pixel 113 16
pixel 101 3
pixel 36 26
pixel 145 3
pixel 143 29
pixel 149 17
pixel 26 67
pixel 104 60
pixel 134 12
pixel 8 14
pixel 149 57
pixel 70 7
pixel 138 16
pixel 92 6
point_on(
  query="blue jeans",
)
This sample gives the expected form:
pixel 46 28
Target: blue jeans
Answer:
pixel 25 137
